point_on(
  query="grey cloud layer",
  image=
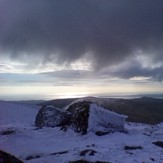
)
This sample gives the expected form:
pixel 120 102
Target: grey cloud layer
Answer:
pixel 62 31
pixel 131 71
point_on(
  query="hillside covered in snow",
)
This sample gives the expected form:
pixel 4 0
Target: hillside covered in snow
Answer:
pixel 20 137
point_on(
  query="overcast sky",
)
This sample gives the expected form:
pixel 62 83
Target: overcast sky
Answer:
pixel 67 48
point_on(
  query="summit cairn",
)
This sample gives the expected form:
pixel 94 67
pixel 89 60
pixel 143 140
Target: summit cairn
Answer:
pixel 82 117
pixel 90 117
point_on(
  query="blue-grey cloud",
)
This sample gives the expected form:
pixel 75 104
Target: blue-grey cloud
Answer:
pixel 68 74
pixel 62 31
pixel 137 70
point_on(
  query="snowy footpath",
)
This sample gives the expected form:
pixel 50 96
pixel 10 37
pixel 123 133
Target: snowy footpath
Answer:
pixel 19 137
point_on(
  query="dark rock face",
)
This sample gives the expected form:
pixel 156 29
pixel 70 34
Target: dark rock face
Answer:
pixel 132 147
pixel 8 132
pixel 159 143
pixel 8 158
pixel 89 152
pixel 51 117
pixel 32 157
pixel 101 133
pixel 79 116
pixel 85 161
pixel 75 116
pixel 87 116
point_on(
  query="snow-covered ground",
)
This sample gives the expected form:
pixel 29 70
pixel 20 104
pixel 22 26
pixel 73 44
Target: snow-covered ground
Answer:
pixel 52 145
pixel 12 114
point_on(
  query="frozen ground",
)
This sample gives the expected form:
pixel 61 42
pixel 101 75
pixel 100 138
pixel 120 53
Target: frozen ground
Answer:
pixel 52 145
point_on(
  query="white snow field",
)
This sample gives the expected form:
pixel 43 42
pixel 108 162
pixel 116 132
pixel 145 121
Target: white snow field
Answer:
pixel 52 145
pixel 12 114
pixel 100 117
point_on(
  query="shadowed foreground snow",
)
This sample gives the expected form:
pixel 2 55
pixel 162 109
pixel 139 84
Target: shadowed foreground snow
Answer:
pixel 54 145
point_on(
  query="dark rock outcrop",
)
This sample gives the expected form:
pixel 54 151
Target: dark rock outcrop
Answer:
pixel 159 143
pixel 79 116
pixel 8 158
pixel 87 116
pixel 8 132
pixel 82 117
pixel 51 117
pixel 85 161
pixel 30 157
pixel 132 147
pixel 89 152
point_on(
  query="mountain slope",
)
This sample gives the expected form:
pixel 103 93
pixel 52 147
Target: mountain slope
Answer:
pixel 12 114
pixel 144 110
pixel 34 145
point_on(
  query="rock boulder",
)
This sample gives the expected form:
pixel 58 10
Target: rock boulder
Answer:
pixel 48 116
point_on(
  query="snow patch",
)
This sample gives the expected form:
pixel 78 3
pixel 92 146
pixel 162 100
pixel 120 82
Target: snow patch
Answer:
pixel 12 114
pixel 101 119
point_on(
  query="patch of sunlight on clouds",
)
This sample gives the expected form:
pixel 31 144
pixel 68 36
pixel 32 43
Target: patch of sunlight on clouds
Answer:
pixel 82 64
pixel 23 68
pixel 140 78
pixel 7 66
pixel 147 61
pixel 12 67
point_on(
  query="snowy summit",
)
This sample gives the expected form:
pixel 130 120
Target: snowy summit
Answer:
pixel 20 137
pixel 82 117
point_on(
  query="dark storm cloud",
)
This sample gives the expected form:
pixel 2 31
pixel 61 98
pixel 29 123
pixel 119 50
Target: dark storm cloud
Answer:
pixel 136 70
pixel 62 31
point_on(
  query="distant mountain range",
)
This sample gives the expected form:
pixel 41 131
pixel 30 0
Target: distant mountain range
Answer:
pixel 143 110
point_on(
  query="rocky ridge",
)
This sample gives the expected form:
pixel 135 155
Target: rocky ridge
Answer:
pixel 82 117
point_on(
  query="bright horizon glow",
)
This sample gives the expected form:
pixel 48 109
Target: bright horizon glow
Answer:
pixel 53 92
pixel 78 80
